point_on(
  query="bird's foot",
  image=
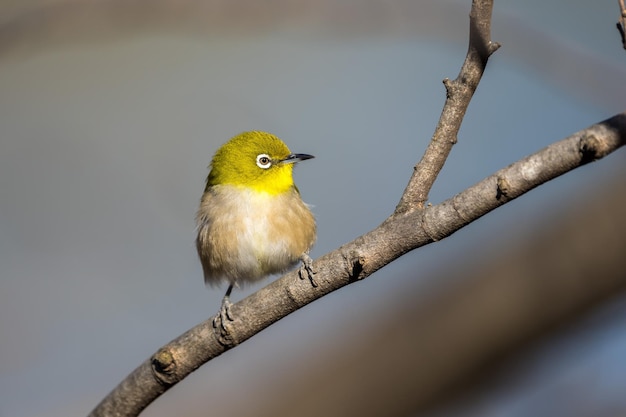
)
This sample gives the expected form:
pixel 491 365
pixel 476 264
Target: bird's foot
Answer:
pixel 306 269
pixel 221 322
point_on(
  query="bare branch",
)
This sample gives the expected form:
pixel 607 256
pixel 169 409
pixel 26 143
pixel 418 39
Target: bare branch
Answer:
pixel 459 94
pixel 621 23
pixel 399 234
pixel 440 344
pixel 409 227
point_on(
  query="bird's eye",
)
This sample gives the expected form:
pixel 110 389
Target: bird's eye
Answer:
pixel 263 161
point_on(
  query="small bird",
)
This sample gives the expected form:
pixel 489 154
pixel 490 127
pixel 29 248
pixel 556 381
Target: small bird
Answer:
pixel 252 222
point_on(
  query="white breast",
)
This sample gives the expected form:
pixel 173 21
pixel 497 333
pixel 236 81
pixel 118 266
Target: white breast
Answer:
pixel 245 235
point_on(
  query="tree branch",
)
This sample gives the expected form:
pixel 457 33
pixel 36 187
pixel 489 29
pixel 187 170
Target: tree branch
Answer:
pixel 474 320
pixel 408 228
pixel 621 23
pixel 399 234
pixel 459 93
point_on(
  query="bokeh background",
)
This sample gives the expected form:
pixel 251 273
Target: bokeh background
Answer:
pixel 111 110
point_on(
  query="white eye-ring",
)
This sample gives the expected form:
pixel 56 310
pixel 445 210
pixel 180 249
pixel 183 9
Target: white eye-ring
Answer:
pixel 263 161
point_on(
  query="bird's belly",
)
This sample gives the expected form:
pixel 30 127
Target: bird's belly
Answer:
pixel 250 235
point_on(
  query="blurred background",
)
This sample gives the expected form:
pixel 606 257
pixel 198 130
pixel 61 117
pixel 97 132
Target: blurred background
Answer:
pixel 111 110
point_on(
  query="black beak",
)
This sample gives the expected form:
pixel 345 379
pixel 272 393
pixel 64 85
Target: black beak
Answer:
pixel 296 157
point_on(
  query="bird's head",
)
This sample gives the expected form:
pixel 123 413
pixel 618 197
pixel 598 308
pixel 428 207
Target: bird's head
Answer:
pixel 256 160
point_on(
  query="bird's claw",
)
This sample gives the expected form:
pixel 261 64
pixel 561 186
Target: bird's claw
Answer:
pixel 222 319
pixel 306 269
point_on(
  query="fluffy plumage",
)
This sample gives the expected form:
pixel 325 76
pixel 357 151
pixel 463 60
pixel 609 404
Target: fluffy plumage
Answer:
pixel 252 221
pixel 245 235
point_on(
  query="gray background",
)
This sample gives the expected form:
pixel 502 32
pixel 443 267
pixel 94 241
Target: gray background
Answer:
pixel 110 113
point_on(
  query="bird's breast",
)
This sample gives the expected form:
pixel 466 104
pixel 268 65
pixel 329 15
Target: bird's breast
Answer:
pixel 244 234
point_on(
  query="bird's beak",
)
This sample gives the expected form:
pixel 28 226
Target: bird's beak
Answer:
pixel 296 157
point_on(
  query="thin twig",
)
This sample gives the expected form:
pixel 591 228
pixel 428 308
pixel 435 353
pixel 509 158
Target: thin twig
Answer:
pixel 459 93
pixel 621 23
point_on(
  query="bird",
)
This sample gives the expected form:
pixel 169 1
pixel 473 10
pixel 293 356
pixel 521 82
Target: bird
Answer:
pixel 252 222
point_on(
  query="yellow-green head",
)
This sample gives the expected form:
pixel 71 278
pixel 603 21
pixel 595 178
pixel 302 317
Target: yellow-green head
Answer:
pixel 256 160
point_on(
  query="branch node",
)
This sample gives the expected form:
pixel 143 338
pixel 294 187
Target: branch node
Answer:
pixel 503 187
pixel 164 367
pixel 425 227
pixel 493 47
pixel 589 147
pixel 458 211
pixel 448 84
pixel 354 265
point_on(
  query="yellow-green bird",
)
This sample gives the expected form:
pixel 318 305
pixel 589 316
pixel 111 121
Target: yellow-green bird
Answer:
pixel 252 222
